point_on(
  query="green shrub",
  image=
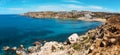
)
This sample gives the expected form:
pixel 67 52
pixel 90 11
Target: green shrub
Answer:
pixel 76 46
pixel 53 48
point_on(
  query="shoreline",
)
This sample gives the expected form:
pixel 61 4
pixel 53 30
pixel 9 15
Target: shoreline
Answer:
pixel 94 19
pixel 96 41
pixel 73 14
pixel 81 18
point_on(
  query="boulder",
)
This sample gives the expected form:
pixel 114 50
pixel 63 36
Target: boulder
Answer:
pixel 6 48
pixel 113 40
pixel 21 53
pixel 37 43
pixel 14 48
pixel 98 42
pixel 32 49
pixel 73 38
pixel 92 47
pixel 21 46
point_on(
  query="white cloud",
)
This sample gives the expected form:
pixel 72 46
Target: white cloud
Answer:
pixel 81 7
pixel 51 8
pixel 68 7
pixel 60 7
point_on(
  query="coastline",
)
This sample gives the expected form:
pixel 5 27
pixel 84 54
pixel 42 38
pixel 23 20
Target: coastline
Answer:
pixel 94 19
pixel 104 39
pixel 75 15
pixel 80 18
pixel 92 42
pixel 60 38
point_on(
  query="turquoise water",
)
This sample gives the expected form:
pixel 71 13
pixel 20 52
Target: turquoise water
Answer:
pixel 16 30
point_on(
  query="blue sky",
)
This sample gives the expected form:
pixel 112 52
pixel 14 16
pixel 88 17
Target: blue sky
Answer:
pixel 22 6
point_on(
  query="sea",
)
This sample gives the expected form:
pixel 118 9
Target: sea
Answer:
pixel 16 30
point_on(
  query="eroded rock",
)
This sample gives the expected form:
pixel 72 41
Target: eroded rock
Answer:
pixel 73 38
pixel 6 48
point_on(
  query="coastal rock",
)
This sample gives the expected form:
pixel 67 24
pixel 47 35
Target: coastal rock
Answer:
pixel 51 48
pixel 92 47
pixel 6 48
pixel 98 42
pixel 105 43
pixel 73 38
pixel 32 49
pixel 20 50
pixel 113 40
pixel 109 44
pixel 37 43
pixel 14 48
pixel 21 53
pixel 22 47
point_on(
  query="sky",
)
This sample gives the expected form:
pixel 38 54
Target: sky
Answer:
pixel 23 6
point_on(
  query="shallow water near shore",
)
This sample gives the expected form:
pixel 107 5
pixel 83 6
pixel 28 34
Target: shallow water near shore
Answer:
pixel 16 29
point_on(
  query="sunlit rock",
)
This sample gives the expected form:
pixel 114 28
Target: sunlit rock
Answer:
pixel 73 38
pixel 113 40
pixel 21 53
pixel 37 43
pixel 32 49
pixel 6 48
pixel 14 48
pixel 98 42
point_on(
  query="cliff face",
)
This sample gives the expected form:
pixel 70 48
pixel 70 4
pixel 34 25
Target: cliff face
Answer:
pixel 104 40
pixel 51 14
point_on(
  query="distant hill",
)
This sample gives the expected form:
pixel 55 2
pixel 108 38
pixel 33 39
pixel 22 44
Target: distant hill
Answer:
pixel 72 14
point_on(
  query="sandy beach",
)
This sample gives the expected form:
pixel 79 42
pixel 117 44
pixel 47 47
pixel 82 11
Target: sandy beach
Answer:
pixel 95 19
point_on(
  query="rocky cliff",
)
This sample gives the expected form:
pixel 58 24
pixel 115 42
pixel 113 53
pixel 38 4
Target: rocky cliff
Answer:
pixel 107 38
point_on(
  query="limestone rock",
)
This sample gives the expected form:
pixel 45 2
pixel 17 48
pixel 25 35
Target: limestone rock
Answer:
pixel 21 53
pixel 113 40
pixel 37 43
pixel 98 42
pixel 6 48
pixel 14 48
pixel 32 49
pixel 73 38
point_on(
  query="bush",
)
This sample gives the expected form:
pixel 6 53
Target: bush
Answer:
pixel 76 46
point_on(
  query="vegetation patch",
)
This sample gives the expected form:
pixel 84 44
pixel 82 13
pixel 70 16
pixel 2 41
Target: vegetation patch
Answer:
pixel 53 48
pixel 77 46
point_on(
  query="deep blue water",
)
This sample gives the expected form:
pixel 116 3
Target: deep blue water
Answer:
pixel 16 29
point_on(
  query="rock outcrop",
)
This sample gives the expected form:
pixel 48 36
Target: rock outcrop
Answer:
pixel 107 38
